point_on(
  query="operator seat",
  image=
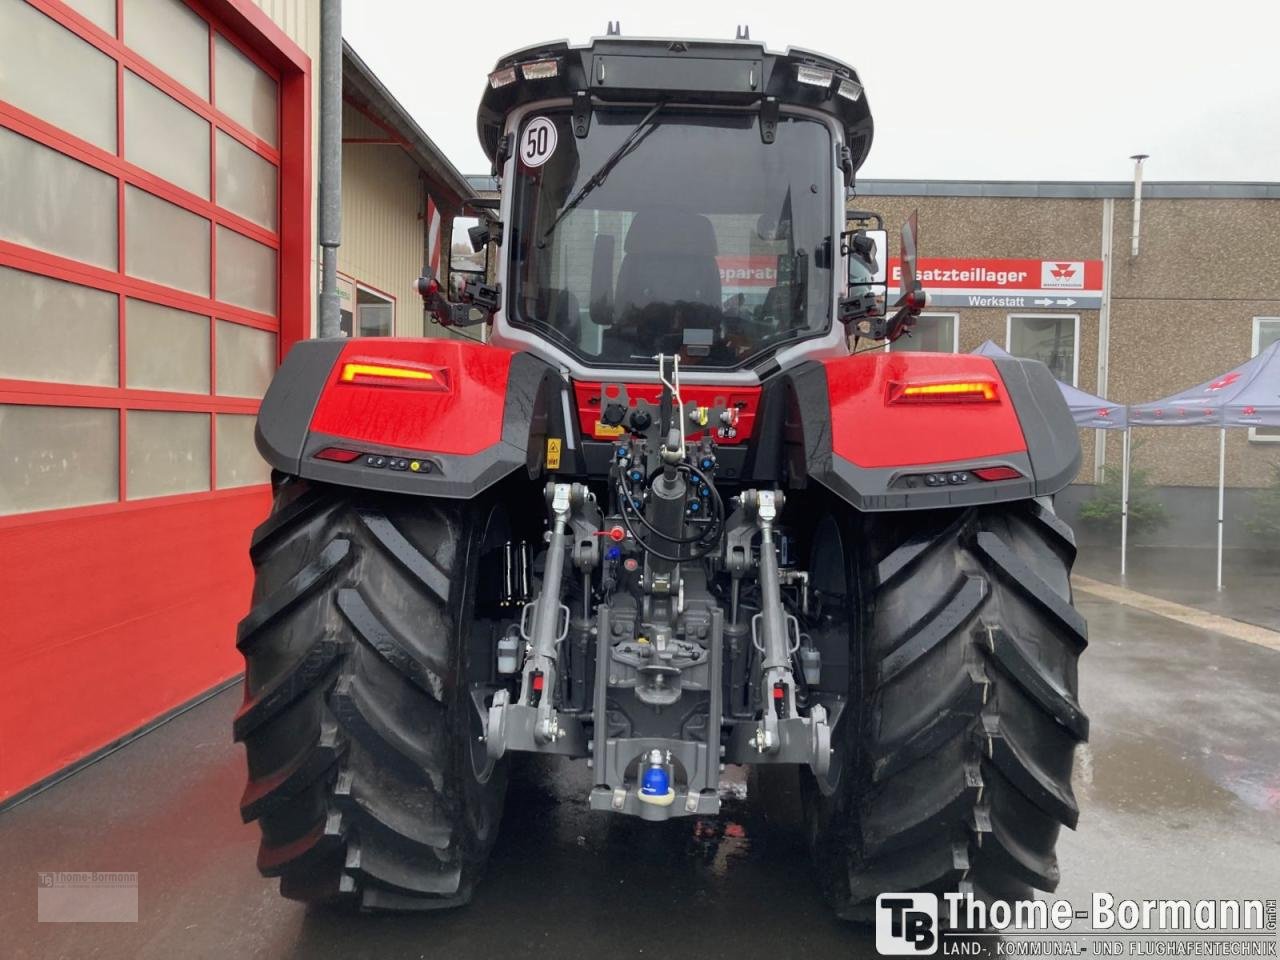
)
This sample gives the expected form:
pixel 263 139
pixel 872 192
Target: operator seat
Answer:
pixel 669 255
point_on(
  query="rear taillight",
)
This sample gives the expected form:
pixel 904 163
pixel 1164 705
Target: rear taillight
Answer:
pixel 372 373
pixel 337 454
pixel 996 473
pixel 975 390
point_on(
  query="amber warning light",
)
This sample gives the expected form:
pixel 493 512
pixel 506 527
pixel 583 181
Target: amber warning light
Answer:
pixel 381 374
pixel 944 391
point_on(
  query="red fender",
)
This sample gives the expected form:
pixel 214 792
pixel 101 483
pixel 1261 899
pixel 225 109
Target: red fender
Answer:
pixel 437 417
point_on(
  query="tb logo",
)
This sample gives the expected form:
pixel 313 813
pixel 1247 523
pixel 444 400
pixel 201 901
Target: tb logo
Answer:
pixel 907 924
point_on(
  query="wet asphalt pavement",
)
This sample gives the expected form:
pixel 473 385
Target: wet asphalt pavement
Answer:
pixel 1189 575
pixel 1179 793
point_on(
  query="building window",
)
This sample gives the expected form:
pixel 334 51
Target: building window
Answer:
pixel 933 332
pixel 365 312
pixel 1266 331
pixel 375 313
pixel 1053 339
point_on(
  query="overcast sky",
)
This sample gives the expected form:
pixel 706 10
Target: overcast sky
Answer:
pixel 1030 90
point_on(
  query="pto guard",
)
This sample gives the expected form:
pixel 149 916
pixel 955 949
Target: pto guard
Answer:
pixel 477 416
pixel 851 428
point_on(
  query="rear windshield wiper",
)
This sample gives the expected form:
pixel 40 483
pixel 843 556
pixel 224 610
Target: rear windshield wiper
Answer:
pixel 633 140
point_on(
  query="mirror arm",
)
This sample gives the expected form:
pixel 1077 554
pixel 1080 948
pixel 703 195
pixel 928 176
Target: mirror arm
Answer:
pixel 482 295
pixel 475 294
pixel 859 307
pixel 863 216
pixel 902 320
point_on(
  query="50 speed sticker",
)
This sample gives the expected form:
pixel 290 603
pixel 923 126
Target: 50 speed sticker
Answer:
pixel 538 142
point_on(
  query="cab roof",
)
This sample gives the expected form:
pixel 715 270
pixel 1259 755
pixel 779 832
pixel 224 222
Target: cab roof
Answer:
pixel 615 69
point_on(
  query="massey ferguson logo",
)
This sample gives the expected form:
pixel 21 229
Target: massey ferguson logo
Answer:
pixel 1068 275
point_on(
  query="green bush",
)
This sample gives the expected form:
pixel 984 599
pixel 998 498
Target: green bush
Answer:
pixel 1265 519
pixel 1102 510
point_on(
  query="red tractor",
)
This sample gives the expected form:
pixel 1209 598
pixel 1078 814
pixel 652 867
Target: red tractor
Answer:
pixel 664 518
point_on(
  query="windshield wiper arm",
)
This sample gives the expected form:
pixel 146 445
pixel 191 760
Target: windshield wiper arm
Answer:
pixel 633 140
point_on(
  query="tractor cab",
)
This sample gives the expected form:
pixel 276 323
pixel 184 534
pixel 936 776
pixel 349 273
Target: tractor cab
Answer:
pixel 677 198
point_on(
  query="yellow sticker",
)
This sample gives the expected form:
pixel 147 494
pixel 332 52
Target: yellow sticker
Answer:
pixel 553 453
pixel 604 430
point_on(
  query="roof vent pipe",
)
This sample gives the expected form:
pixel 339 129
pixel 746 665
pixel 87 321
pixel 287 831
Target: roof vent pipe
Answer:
pixel 1137 159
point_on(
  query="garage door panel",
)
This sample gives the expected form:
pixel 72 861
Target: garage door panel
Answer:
pixel 238 461
pixel 195 546
pixel 67 700
pixel 165 243
pixel 168 349
pixel 247 272
pixel 142 241
pixel 247 182
pixel 246 360
pixel 65 457
pixel 54 203
pixel 101 13
pixel 164 137
pixel 173 37
pixel 55 331
pixel 246 93
pixel 168 453
pixel 49 72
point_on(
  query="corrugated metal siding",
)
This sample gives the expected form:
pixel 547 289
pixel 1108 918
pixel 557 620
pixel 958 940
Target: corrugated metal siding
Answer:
pixel 300 20
pixel 382 230
pixel 382 197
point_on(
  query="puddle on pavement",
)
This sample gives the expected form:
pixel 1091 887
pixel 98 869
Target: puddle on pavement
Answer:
pixel 1143 776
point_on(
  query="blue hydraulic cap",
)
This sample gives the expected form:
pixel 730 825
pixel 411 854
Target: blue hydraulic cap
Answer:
pixel 637 476
pixel 695 506
pixel 655 785
pixel 614 553
pixel 621 453
pixel 707 463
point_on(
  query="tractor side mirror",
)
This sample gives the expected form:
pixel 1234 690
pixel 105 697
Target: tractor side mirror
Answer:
pixel 468 251
pixel 866 253
pixel 868 257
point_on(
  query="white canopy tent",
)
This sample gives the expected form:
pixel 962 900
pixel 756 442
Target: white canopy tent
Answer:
pixel 1100 414
pixel 1247 396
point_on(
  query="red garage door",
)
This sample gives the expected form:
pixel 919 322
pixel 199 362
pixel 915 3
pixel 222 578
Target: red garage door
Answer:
pixel 154 230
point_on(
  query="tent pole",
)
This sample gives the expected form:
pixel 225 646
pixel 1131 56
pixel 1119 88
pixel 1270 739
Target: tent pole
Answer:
pixel 1124 505
pixel 1222 482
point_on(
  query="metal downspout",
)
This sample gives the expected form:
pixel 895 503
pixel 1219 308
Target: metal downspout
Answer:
pixel 330 186
pixel 1104 335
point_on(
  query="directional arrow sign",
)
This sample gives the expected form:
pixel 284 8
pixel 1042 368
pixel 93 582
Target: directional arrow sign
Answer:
pixel 1017 301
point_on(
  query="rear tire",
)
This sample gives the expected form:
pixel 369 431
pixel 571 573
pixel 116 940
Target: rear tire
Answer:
pixel 954 756
pixel 365 772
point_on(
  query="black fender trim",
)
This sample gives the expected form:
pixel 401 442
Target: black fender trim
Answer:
pixel 285 441
pixel 1050 462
